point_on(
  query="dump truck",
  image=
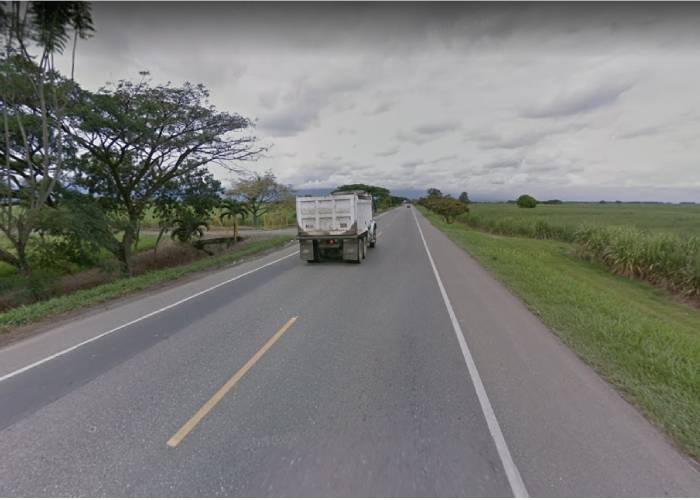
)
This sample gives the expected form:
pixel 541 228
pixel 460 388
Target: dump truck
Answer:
pixel 338 225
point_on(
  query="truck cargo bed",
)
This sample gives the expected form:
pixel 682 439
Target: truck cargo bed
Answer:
pixel 335 215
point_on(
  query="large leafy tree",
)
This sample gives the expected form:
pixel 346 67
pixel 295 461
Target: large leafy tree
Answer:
pixel 138 139
pixel 260 192
pixel 381 196
pixel 34 98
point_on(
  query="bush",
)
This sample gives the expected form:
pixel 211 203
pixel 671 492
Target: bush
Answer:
pixel 63 253
pixel 526 201
pixel 19 289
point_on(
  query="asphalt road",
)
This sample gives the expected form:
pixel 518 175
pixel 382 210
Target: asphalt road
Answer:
pixel 282 378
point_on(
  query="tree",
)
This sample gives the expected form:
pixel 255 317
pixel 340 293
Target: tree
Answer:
pixel 381 196
pixel 464 197
pixel 434 193
pixel 259 192
pixel 189 225
pixel 526 201
pixel 232 209
pixel 34 98
pixel 140 140
pixel 194 195
pixel 448 208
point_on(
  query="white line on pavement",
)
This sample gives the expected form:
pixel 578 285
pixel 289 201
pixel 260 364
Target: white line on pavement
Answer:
pixel 512 473
pixel 141 318
pixel 103 334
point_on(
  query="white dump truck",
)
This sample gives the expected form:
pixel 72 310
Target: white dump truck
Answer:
pixel 340 224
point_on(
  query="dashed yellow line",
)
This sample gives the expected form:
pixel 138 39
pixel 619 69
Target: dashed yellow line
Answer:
pixel 219 395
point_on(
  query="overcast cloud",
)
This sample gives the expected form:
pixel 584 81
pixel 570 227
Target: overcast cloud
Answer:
pixel 578 101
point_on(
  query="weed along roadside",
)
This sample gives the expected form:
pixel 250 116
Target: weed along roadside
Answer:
pixel 25 315
pixel 636 336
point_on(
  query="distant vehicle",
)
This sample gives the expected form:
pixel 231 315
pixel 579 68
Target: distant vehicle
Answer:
pixel 340 224
pixel 408 204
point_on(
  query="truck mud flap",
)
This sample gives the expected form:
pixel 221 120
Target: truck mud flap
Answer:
pixel 308 250
pixel 351 250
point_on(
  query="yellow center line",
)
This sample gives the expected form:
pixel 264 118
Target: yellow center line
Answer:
pixel 219 395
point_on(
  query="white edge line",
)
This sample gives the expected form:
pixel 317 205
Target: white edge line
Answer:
pixel 511 470
pixel 141 318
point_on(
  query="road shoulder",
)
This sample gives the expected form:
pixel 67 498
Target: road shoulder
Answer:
pixel 557 414
pixel 54 335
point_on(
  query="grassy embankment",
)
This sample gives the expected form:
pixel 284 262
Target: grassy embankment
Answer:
pixel 58 305
pixel 653 242
pixel 636 336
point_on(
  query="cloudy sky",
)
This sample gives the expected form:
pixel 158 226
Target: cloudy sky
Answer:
pixel 573 101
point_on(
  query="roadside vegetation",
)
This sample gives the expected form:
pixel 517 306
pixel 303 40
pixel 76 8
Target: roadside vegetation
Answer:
pixel 446 206
pixel 655 242
pixel 636 336
pixel 682 219
pixel 97 187
pixel 41 310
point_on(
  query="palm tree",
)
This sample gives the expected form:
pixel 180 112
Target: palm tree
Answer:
pixel 189 225
pixel 231 209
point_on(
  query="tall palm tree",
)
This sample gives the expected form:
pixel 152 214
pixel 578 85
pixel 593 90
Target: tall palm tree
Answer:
pixel 231 209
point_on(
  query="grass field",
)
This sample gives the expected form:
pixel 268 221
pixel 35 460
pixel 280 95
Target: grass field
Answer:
pixel 683 220
pixel 636 336
pixel 653 242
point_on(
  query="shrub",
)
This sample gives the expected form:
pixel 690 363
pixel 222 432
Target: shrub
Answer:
pixel 188 226
pixel 526 201
pixel 447 207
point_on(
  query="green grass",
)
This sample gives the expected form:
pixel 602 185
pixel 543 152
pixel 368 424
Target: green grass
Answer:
pixel 657 243
pixel 636 336
pixel 42 310
pixel 678 219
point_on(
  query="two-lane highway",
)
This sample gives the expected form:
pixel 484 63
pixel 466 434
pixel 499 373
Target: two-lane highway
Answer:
pixel 284 378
